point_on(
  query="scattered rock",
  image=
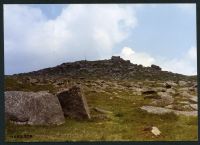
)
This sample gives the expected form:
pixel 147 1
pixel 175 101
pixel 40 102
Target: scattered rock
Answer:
pixel 194 106
pixel 171 91
pixel 41 108
pixel 184 102
pixel 102 110
pixel 170 84
pixel 182 83
pixel 185 94
pixel 193 99
pixel 161 89
pixel 186 113
pixel 155 110
pixel 165 99
pixel 160 110
pixel 155 131
pixel 73 103
pixel 119 97
pixel 186 107
pixel 33 81
pixel 169 106
pixel 183 89
pixel 165 96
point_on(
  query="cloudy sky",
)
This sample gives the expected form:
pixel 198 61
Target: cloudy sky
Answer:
pixel 40 36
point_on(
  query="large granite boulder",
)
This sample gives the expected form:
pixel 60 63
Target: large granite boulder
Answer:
pixel 73 103
pixel 41 108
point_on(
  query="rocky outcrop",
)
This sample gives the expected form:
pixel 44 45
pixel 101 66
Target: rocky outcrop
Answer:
pixel 41 108
pixel 115 68
pixel 73 103
pixel 156 67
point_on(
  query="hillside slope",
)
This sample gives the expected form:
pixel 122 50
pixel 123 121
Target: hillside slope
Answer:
pixel 115 68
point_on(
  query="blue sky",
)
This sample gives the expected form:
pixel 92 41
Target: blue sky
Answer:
pixel 40 36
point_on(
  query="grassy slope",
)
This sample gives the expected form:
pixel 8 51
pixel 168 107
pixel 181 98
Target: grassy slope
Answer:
pixel 126 123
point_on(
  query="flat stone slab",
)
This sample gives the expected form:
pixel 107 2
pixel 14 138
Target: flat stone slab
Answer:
pixel 160 110
pixel 102 110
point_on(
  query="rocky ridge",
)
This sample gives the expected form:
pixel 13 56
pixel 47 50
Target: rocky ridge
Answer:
pixel 115 68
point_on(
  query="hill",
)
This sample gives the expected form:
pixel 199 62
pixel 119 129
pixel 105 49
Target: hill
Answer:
pixel 125 101
pixel 115 68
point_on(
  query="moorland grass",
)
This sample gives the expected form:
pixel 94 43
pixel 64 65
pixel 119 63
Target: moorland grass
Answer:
pixel 126 123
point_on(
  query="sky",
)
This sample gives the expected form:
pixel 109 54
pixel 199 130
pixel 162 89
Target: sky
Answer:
pixel 46 35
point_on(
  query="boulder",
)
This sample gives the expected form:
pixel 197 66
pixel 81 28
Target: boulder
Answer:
pixel 41 108
pixel 165 99
pixel 73 103
pixel 155 131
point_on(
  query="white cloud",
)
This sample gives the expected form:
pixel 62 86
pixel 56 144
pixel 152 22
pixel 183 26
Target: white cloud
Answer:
pixel 192 53
pixel 32 41
pixel 137 57
pixel 187 64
